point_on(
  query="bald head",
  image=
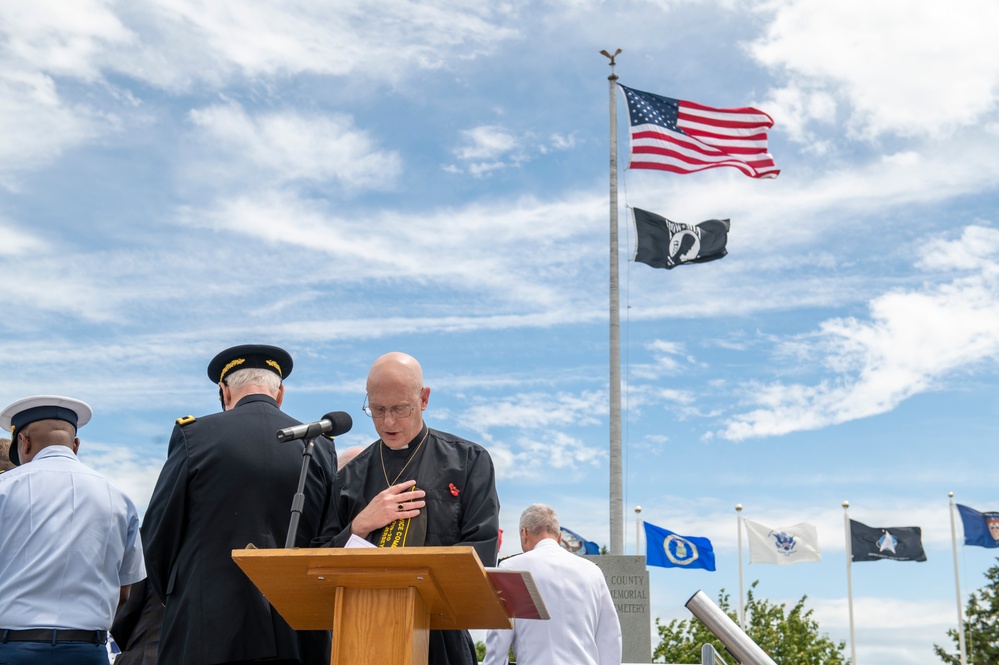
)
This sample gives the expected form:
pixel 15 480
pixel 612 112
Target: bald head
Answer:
pixel 348 455
pixel 395 369
pixel 44 433
pixel 396 391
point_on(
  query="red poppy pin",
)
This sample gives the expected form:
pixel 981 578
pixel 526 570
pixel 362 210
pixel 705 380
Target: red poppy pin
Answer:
pixel 454 490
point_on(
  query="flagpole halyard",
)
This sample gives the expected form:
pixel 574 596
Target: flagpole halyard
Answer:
pixel 616 484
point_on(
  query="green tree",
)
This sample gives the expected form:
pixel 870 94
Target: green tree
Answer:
pixel 480 651
pixel 981 625
pixel 788 637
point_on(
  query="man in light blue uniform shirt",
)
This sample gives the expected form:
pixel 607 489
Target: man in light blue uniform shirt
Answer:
pixel 69 545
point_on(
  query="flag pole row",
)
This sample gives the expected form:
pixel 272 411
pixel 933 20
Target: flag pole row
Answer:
pixel 799 543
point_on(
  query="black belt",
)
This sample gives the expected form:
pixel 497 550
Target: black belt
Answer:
pixel 53 636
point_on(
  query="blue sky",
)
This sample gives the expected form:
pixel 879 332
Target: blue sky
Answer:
pixel 177 177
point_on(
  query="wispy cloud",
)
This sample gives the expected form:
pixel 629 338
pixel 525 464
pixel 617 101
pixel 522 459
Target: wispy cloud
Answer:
pixel 14 241
pixel 533 411
pixel 542 455
pixel 224 40
pixel 913 342
pixel 38 125
pixel 488 148
pixel 235 147
pixel 467 242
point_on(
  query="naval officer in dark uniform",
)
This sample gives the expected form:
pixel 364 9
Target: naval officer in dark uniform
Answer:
pixel 416 486
pixel 228 482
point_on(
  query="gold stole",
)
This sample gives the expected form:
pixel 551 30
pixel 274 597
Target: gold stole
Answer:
pixel 409 532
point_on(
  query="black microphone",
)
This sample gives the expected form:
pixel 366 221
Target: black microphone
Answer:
pixel 334 424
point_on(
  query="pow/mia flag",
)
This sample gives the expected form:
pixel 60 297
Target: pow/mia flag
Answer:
pixel 666 244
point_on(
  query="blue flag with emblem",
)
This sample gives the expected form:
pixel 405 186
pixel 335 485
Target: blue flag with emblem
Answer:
pixel 576 544
pixel 980 529
pixel 669 550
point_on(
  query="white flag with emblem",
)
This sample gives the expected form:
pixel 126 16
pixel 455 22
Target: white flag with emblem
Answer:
pixel 783 545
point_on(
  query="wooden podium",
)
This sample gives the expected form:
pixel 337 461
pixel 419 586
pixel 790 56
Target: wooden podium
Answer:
pixel 380 603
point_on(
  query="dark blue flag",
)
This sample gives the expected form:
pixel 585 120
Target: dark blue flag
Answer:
pixel 667 549
pixel 896 543
pixel 981 529
pixel 576 544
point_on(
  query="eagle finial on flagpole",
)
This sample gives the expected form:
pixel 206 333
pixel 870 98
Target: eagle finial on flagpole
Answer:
pixel 605 53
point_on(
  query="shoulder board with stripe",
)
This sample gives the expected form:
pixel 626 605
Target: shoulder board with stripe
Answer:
pixel 186 420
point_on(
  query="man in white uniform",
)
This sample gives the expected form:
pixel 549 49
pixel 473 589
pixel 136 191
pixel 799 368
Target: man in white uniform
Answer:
pixel 583 629
pixel 69 542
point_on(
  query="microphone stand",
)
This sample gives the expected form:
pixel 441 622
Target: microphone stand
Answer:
pixel 298 503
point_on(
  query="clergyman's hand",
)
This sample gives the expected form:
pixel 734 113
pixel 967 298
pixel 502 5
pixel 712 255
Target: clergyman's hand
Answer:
pixel 396 502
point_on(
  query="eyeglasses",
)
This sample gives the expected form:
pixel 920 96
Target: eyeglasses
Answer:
pixel 399 411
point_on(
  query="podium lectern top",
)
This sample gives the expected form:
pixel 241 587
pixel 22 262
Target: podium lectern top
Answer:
pixel 301 583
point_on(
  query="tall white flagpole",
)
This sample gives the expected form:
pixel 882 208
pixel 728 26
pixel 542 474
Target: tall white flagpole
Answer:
pixel 849 582
pixel 742 593
pixel 957 586
pixel 616 485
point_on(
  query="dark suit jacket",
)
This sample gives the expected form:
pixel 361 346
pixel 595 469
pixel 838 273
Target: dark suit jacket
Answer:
pixel 136 627
pixel 228 482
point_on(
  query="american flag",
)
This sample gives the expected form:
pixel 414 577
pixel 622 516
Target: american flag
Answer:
pixel 684 137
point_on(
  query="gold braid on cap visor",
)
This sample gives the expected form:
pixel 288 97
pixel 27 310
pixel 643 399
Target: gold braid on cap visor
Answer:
pixel 273 363
pixel 233 363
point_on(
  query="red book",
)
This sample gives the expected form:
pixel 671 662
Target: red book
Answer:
pixel 518 593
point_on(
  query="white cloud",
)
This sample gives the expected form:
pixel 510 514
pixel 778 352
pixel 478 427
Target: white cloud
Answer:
pixel 904 68
pixel 214 42
pixel 796 107
pixel 175 44
pixel 467 243
pixel 488 148
pixel 486 142
pixel 290 146
pixel 538 457
pixel 64 39
pixel 534 411
pixel 133 472
pixel 914 341
pixel 14 241
pixel 51 288
pixel 38 125
pixel 559 142
pixel 670 357
pixel 896 630
pixel 683 397
pixel 220 41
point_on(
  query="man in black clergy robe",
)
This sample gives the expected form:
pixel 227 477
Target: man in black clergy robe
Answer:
pixel 228 482
pixel 442 484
